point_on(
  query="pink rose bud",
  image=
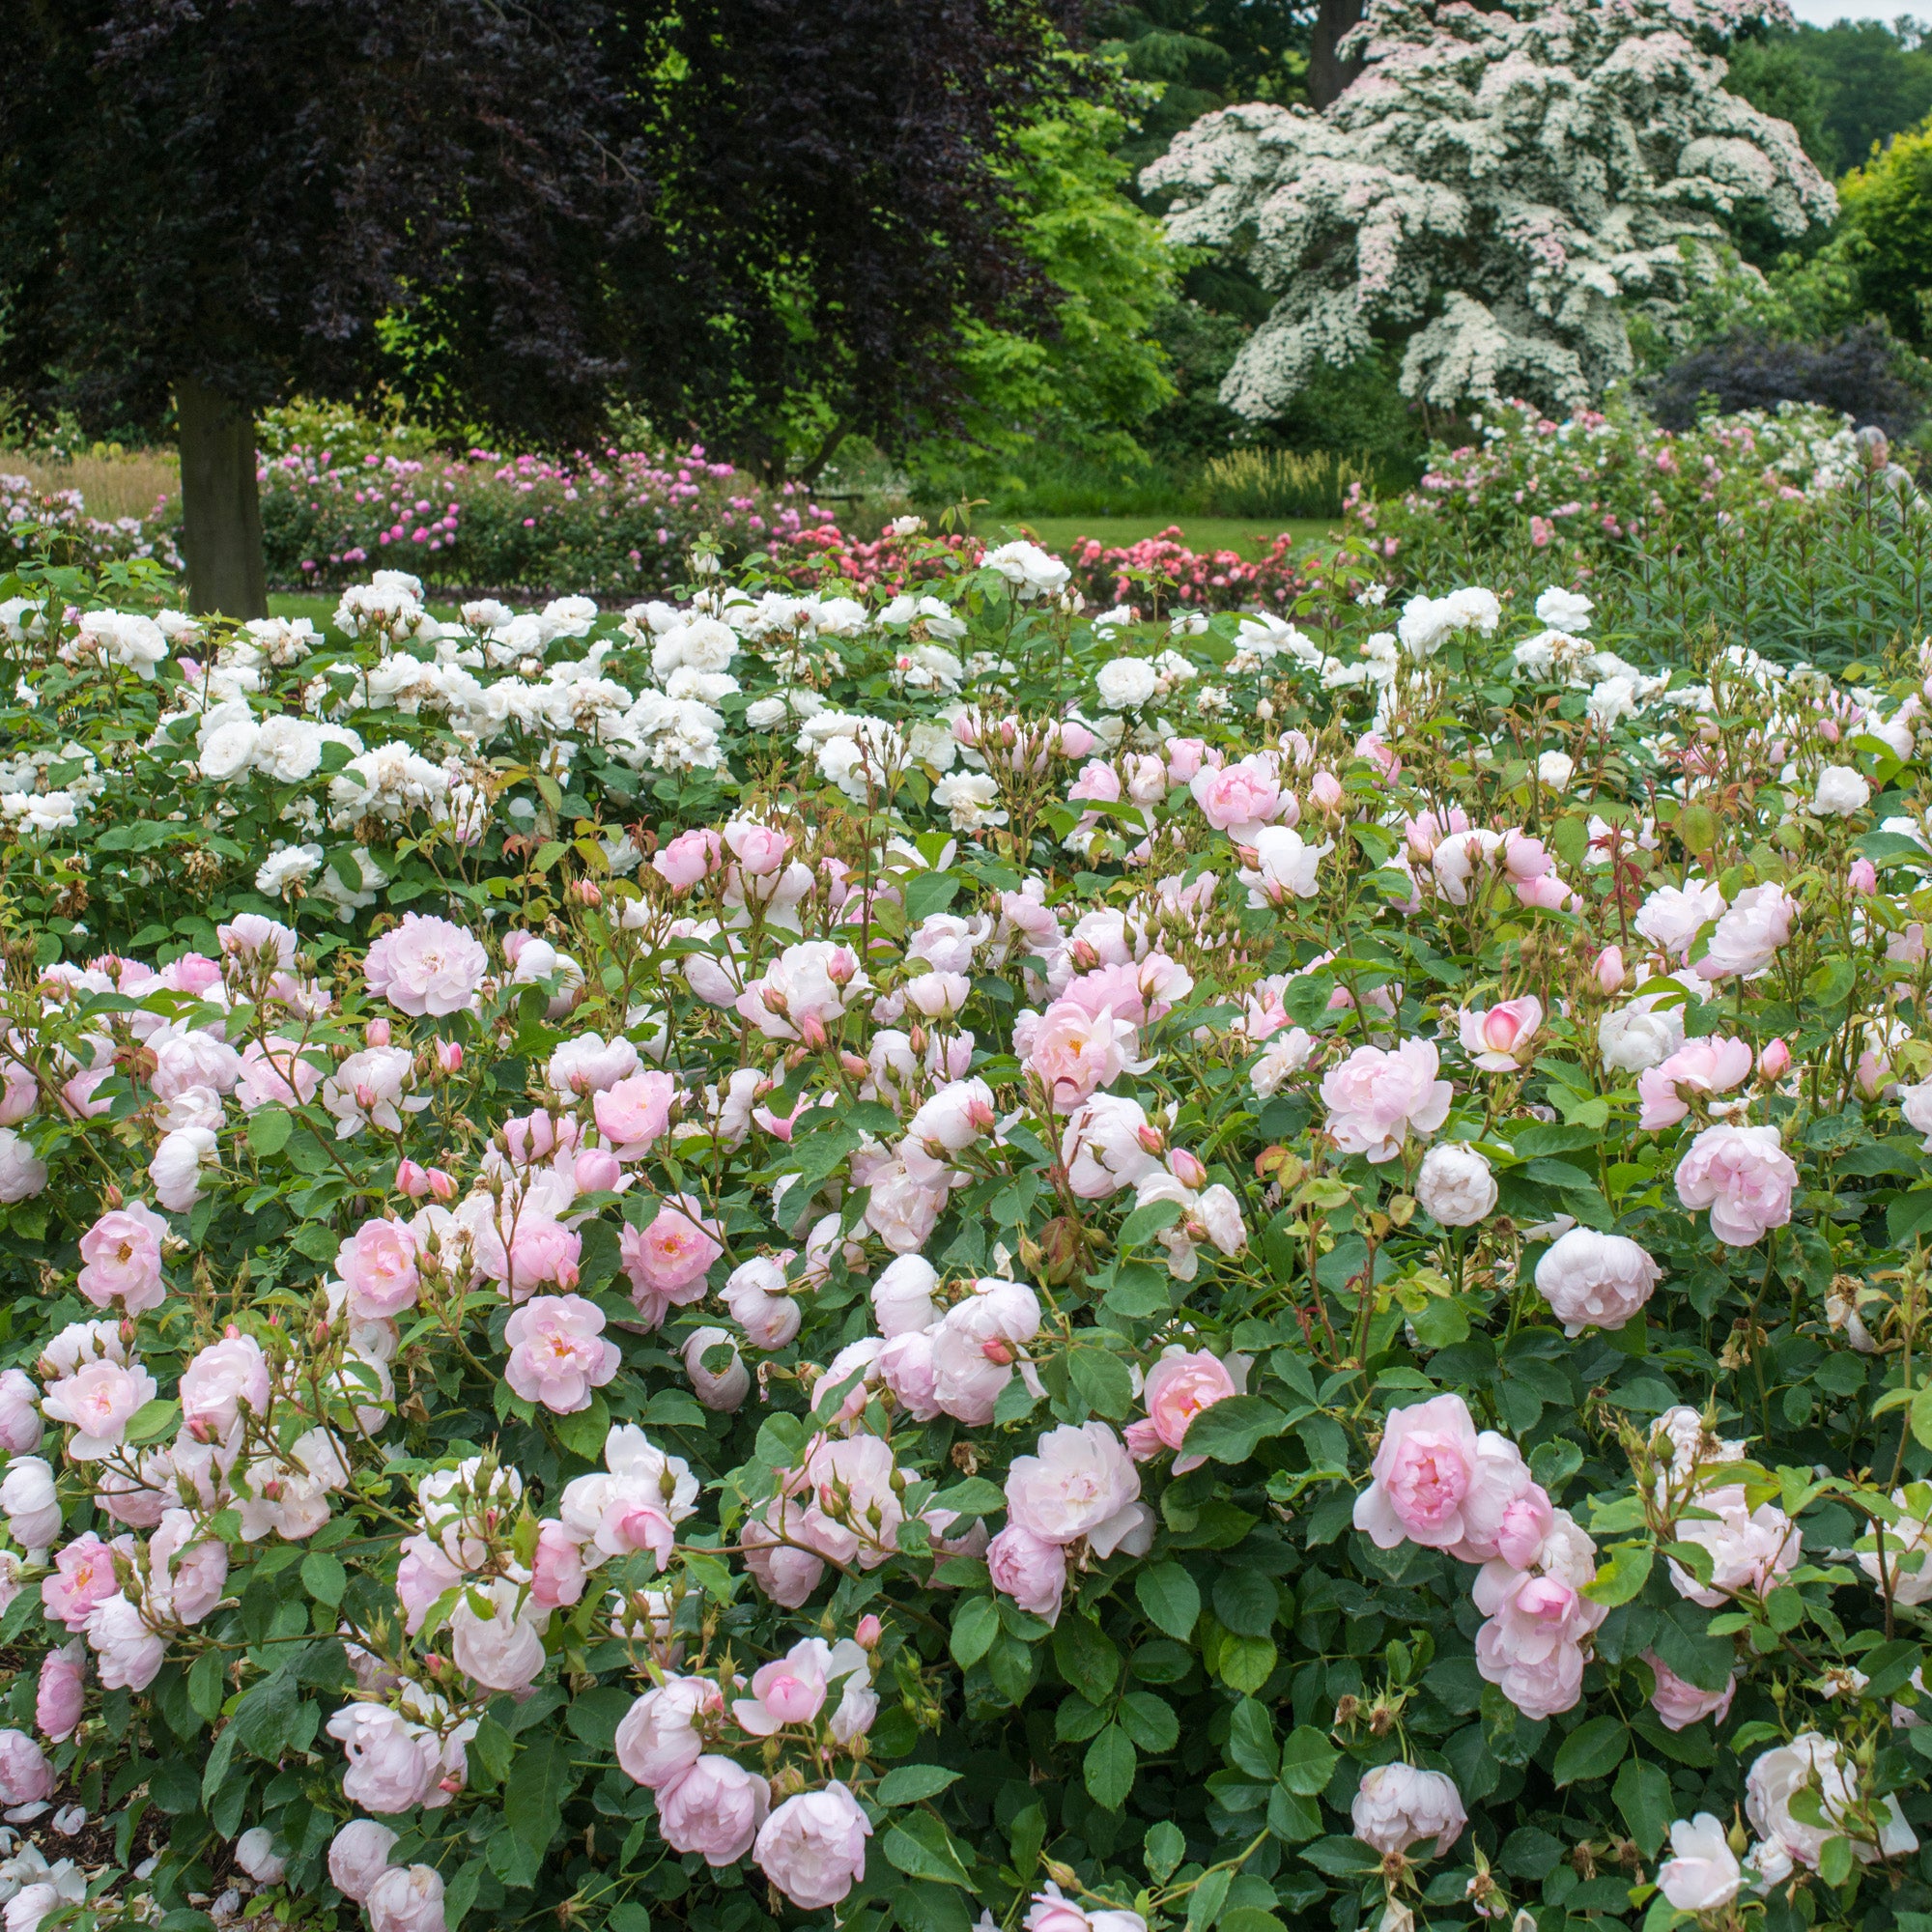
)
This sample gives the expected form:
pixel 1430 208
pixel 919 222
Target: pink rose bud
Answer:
pixel 377 1032
pixel 1324 792
pixel 868 1632
pixel 597 1171
pixel 1862 878
pixel 443 1185
pixel 1186 1168
pixel 448 1056
pixel 1610 968
pixel 1773 1063
pixel 584 892
pixel 412 1181
pixel 1075 742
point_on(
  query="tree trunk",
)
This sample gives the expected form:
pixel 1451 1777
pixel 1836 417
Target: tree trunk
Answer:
pixel 221 510
pixel 1327 72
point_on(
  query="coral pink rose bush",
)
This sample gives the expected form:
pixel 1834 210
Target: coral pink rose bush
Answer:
pixel 798 1258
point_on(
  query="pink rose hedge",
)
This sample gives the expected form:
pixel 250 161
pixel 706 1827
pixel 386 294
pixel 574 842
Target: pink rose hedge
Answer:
pixel 940 1258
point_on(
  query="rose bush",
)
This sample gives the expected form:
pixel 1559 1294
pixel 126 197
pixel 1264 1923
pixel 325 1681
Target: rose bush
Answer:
pixel 923 1256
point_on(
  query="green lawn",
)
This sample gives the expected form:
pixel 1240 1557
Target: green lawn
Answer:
pixel 1250 536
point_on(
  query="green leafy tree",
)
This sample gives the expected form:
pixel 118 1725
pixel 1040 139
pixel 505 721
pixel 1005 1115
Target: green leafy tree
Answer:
pixel 1888 207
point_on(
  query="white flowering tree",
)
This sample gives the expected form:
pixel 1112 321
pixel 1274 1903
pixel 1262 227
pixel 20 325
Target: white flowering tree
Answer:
pixel 1502 186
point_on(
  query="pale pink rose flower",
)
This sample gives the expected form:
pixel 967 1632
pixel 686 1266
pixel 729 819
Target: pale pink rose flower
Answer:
pixel 1672 916
pixel 557 1357
pixel 406 1898
pixel 82 1580
pixel 687 859
pixel 26 1777
pixel 20 1424
pixel 1698 1068
pixel 659 1739
pixel 1398 1808
pixel 790 1689
pixel 634 1111
pixel 756 1293
pixel 1375 1098
pixel 596 1170
pixel 1679 1704
pixel 1073 1053
pixel 1747 936
pixel 1286 865
pixel 667 1262
pixel 121 1259
pixel 496 1645
pixel 218 1380
pixel 1499 1040
pixel 805 991
pixel 784 1572
pixel 358 1854
pixel 813 1846
pixel 424 1573
pixel 426 966
pixel 1595 1281
pixel 1028 1569
pixel 716 1809
pixel 556 1570
pixel 62 1694
pixel 128 1655
pixel 393 1765
pixel 1505 1512
pixel 976 1346
pixel 901 1296
pixel 31 1504
pixel 1423 1472
pixel 98 1399
pixel 1080 1483
pixel 1237 799
pixel 590 1064
pixel 1179 1387
pixel 1750 1548
pixel 1109 1143
pixel 1702 1874
pixel 276 1074
pixel 1743 1177
pixel 1531 1648
pixel 906 1366
pixel 541 1250
pixel 378 1267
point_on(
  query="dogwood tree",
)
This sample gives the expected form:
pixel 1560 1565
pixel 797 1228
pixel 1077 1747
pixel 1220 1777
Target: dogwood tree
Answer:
pixel 1501 187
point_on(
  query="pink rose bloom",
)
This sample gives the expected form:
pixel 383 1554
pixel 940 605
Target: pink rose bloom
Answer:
pixel 1185 757
pixel 1506 1513
pixel 1498 1041
pixel 499 1646
pixel 556 1354
pixel 83 1579
pixel 658 1739
pixel 406 1898
pixel 98 1400
pixel 556 1570
pixel 596 1170
pixel 1179 1387
pixel 687 859
pixel 62 1694
pixel 667 1262
pixel 1699 1067
pixel 1743 1177
pixel 393 1765
pixel 120 1258
pixel 790 1689
pixel 1679 1704
pixel 715 1808
pixel 1237 799
pixel 422 1575
pixel 185 1577
pixel 1029 1570
pixel 1749 933
pixel 589 1063
pixel 1376 1098
pixel 542 1250
pixel 1531 1648
pixel 1423 1472
pixel 127 1654
pixel 1081 1483
pixel 803 992
pixel 276 1074
pixel 721 1389
pixel 426 966
pixel 20 1424
pixel 26 1777
pixel 358 1854
pixel 786 1573
pixel 633 1113
pixel 1595 1281
pixel 218 1380
pixel 1074 1053
pixel 756 1293
pixel 1398 1807
pixel 813 1846
pixel 378 1267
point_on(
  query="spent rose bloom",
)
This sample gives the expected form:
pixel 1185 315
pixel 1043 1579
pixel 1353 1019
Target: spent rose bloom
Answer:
pixel 1376 1097
pixel 1743 1177
pixel 1595 1281
pixel 557 1355
pixel 813 1846
pixel 121 1259
pixel 1398 1807
pixel 426 966
pixel 1679 1703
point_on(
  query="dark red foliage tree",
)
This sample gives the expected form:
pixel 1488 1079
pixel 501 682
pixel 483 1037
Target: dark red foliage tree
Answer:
pixel 510 214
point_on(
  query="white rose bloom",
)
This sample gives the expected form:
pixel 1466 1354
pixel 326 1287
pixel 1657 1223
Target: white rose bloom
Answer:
pixel 1702 1872
pixel 1564 609
pixel 1842 792
pixel 1125 684
pixel 1455 1185
pixel 1556 769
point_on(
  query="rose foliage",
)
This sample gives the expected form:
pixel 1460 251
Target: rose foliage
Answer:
pixel 794 1256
